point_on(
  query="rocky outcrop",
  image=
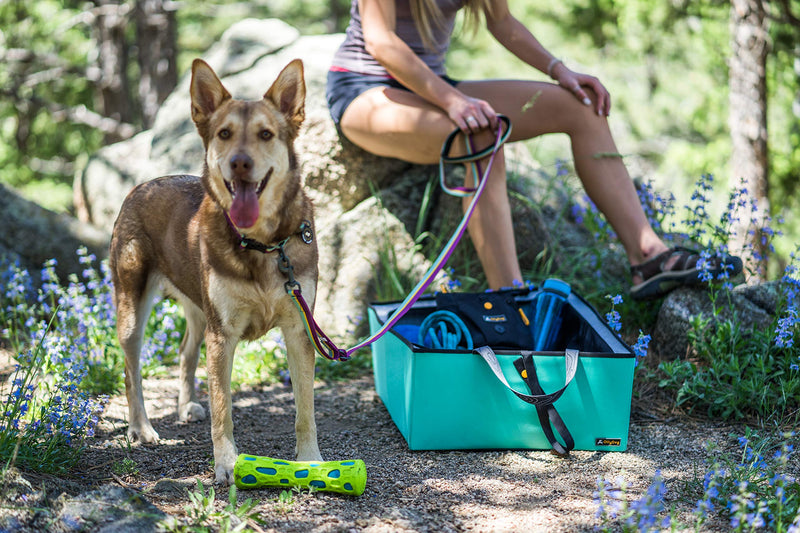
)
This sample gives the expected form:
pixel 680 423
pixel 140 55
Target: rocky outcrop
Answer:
pixel 248 58
pixel 32 234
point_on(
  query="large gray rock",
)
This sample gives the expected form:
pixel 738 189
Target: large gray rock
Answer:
pixel 751 307
pixel 32 234
pixel 111 174
pixel 330 165
pixel 109 509
pixel 351 244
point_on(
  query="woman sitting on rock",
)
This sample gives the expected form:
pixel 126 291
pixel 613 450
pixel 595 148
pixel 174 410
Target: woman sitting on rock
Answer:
pixel 388 92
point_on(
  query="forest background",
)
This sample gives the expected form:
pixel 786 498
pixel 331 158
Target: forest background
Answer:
pixel 698 87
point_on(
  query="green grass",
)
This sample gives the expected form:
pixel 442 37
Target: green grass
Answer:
pixel 202 515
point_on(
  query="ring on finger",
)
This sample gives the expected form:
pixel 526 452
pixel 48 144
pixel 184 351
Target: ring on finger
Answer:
pixel 471 119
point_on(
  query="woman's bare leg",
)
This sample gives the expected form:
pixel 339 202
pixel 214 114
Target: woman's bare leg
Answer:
pixel 537 108
pixel 491 227
pixel 396 123
pixel 400 124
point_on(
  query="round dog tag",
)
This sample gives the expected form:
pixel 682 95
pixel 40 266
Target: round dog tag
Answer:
pixel 306 233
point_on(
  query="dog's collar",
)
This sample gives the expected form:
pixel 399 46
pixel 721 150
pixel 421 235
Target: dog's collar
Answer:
pixel 305 231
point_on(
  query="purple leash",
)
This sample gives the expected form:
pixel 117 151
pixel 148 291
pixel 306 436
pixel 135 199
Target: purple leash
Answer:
pixel 322 343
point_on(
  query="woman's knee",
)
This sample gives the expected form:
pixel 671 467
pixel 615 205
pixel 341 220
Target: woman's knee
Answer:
pixel 494 165
pixel 577 117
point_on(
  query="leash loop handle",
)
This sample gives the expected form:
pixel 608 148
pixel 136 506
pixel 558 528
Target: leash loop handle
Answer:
pixel 446 158
pixel 472 157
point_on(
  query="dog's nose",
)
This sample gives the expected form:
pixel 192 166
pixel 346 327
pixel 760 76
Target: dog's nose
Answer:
pixel 241 165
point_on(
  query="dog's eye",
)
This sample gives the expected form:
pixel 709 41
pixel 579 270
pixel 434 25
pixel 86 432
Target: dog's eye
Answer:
pixel 224 133
pixel 265 135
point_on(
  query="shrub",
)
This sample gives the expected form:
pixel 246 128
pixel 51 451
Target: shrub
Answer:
pixel 45 423
pixel 752 490
pixel 738 374
pixel 53 404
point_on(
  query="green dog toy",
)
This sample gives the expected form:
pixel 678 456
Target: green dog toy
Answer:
pixel 346 477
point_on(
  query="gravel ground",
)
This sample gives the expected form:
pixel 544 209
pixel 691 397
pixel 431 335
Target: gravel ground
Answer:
pixel 406 491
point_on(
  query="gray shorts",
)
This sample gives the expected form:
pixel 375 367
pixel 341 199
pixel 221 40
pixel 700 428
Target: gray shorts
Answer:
pixel 343 87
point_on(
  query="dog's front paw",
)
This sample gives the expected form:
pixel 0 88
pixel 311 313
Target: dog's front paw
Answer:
pixel 191 412
pixel 224 459
pixel 145 434
pixel 223 474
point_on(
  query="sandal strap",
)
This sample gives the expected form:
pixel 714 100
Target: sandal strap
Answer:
pixel 686 259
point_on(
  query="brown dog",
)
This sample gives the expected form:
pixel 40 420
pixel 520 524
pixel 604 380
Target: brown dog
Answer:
pixel 186 234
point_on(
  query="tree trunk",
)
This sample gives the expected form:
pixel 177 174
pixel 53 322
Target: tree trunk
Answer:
pixel 796 102
pixel 340 15
pixel 156 40
pixel 748 125
pixel 112 61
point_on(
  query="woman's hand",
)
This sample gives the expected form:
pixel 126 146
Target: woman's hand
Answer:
pixel 575 83
pixel 471 114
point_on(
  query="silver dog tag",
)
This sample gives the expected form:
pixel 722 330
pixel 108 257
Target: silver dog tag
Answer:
pixel 306 233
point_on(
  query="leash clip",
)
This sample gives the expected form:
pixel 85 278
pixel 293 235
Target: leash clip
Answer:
pixel 290 286
pixel 285 266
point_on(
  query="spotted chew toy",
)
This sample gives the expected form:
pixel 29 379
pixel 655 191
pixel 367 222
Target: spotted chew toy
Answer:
pixel 345 477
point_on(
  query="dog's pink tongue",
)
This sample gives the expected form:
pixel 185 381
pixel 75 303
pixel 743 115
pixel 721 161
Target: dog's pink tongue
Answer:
pixel 244 210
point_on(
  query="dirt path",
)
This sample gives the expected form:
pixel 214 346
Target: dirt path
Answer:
pixel 406 491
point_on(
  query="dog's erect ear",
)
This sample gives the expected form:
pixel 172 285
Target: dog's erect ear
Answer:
pixel 288 93
pixel 206 90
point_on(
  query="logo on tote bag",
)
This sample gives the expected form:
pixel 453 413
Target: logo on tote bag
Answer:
pixel 608 442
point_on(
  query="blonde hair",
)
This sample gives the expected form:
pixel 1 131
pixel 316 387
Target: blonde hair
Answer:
pixel 426 14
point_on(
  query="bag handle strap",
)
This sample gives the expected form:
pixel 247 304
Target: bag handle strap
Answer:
pixel 549 419
pixel 570 356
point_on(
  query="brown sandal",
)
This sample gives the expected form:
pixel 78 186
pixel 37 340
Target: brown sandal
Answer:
pixel 658 279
